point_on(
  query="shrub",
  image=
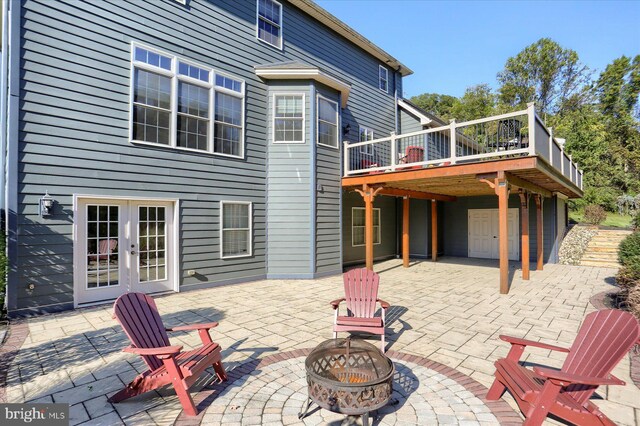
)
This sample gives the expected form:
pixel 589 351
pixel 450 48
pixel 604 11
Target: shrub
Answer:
pixel 635 221
pixel 629 251
pixel 633 300
pixel 594 214
pixel 602 196
pixel 627 279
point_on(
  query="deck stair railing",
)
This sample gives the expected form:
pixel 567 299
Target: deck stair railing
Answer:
pixel 515 134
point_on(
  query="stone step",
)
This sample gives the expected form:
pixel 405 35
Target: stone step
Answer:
pixel 600 258
pixel 600 264
pixel 603 249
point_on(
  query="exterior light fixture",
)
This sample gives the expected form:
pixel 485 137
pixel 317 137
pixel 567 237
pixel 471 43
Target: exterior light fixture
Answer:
pixel 46 205
pixel 346 129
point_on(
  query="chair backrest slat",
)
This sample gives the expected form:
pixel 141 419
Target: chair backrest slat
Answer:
pixel 139 317
pixel 603 340
pixel 361 292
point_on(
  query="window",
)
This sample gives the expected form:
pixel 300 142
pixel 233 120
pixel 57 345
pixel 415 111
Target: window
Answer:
pixel 269 25
pixel 236 229
pixel 159 78
pixel 327 122
pixel 366 135
pixel 383 76
pixel 288 118
pixel 358 226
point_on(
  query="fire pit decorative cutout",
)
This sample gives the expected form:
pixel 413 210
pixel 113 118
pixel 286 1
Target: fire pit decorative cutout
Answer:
pixel 348 376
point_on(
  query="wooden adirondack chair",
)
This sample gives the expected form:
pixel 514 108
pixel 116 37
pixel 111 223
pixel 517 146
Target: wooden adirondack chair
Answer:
pixel 139 317
pixel 361 295
pixel 603 339
pixel 105 250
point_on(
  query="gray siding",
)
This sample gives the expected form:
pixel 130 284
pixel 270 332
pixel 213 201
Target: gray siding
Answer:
pixel 74 94
pixel 408 123
pixel 288 188
pixel 455 224
pixel 328 192
pixel 388 230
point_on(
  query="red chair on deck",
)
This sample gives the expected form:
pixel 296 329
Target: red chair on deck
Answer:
pixel 413 154
pixel 603 339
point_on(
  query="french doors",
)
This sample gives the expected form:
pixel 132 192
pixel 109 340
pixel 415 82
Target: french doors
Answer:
pixel 121 246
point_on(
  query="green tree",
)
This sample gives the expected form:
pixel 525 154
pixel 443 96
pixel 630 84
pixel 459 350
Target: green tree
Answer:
pixel 545 73
pixel 477 102
pixel 437 104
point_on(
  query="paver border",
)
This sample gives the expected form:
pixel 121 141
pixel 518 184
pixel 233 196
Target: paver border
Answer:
pixel 505 414
pixel 18 332
pixel 597 300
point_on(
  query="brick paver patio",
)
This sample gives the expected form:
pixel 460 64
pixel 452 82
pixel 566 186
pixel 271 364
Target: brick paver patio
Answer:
pixel 449 312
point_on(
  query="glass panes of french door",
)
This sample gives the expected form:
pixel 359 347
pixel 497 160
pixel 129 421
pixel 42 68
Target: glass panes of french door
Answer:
pixel 152 233
pixel 102 251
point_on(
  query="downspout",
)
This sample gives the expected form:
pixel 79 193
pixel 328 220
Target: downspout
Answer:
pixel 395 127
pixel 3 103
pixel 11 146
pixel 312 179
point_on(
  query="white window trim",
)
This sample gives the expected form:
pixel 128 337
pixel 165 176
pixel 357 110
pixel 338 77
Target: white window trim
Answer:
pixel 175 77
pixel 317 118
pixel 366 149
pixel 304 117
pixel 258 18
pixel 250 252
pixel 353 209
pixel 386 79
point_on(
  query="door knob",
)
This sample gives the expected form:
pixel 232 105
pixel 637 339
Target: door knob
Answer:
pixel 133 252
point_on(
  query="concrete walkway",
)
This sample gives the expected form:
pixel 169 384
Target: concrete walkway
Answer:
pixel 449 312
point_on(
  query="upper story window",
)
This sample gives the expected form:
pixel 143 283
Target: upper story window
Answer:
pixel 366 135
pixel 269 25
pixel 288 118
pixel 179 104
pixel 327 122
pixel 383 77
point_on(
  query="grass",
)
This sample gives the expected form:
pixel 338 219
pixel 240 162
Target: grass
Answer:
pixel 613 219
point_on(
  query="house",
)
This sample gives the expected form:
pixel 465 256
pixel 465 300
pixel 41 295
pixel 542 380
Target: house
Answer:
pixel 180 144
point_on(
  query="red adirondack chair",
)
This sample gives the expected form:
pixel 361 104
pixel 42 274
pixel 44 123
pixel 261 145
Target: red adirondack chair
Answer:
pixel 105 250
pixel 603 339
pixel 361 295
pixel 139 317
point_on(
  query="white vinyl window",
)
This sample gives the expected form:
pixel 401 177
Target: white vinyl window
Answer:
pixel 288 118
pixel 178 104
pixel 383 77
pixel 358 237
pixel 365 134
pixel 269 22
pixel 235 233
pixel 327 122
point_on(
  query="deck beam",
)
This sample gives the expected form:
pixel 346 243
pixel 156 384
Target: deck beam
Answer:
pixel 539 233
pixel 405 232
pixel 434 230
pixel 524 234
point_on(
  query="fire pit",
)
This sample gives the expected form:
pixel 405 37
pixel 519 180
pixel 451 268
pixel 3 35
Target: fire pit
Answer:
pixel 348 376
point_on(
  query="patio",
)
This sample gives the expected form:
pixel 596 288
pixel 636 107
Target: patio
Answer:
pixel 443 330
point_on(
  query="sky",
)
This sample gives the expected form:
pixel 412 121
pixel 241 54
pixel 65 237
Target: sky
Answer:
pixel 453 45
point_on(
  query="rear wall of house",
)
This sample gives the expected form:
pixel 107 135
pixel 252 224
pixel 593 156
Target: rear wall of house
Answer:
pixel 74 130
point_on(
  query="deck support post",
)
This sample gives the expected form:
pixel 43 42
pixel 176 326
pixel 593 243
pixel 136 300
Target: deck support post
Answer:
pixel 405 232
pixel 368 194
pixel 524 234
pixel 539 238
pixel 434 230
pixel 502 191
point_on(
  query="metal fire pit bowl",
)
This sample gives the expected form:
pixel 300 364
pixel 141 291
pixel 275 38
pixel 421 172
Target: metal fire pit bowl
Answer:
pixel 348 376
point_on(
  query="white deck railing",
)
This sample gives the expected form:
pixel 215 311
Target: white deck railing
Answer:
pixel 516 134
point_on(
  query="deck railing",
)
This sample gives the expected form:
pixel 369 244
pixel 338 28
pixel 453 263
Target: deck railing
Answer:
pixel 516 134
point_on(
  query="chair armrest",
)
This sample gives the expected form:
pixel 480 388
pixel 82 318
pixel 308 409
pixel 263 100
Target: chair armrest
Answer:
pixel 335 303
pixel 203 326
pixel 566 379
pixel 383 304
pixel 525 342
pixel 159 352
